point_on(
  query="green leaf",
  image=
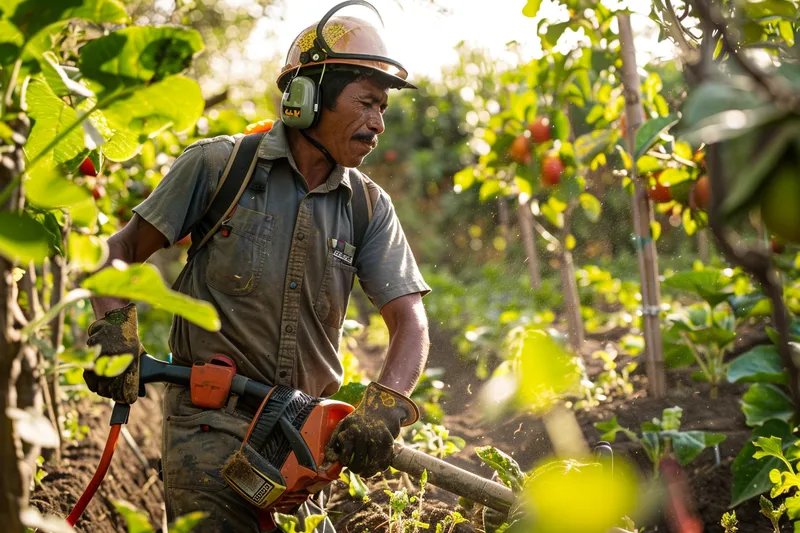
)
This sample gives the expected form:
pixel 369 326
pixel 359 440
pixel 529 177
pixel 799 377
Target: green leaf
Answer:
pixel 31 16
pixel 687 445
pixel 139 55
pixel 750 305
pixel 142 282
pixel 111 366
pixel 489 189
pixel 787 32
pixel 350 393
pixel 506 467
pixel 174 102
pixel 610 428
pixel 591 206
pixel 589 145
pixel 561 126
pixel 287 523
pixel 710 285
pixel 768 447
pixel 464 178
pixel 86 252
pixel 47 188
pixel 764 401
pixel 138 521
pixel 547 371
pixel 751 476
pixel 23 239
pixel 762 364
pixel 649 133
pixel 531 8
pixel 52 117
pixel 187 522
pixel 312 521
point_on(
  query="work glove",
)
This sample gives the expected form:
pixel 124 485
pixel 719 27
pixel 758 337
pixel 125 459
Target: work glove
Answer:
pixel 117 333
pixel 363 440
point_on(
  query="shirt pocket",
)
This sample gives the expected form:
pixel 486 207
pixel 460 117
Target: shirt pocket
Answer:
pixel 238 252
pixel 334 292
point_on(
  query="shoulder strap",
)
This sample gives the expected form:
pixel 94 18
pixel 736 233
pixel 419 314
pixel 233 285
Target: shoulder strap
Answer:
pixel 231 185
pixel 362 209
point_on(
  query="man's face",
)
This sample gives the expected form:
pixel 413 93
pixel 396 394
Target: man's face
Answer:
pixel 351 130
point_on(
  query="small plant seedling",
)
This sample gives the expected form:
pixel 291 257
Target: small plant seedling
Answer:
pixel 660 437
pixel 730 522
pixel 784 482
pixel 774 515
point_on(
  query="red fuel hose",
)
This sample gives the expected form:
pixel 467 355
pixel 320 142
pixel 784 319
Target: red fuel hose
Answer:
pixel 100 473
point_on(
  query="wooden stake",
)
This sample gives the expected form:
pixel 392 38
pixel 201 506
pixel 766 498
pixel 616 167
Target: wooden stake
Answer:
pixel 525 218
pixel 642 216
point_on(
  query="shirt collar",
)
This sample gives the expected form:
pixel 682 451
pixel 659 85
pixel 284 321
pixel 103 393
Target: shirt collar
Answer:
pixel 275 145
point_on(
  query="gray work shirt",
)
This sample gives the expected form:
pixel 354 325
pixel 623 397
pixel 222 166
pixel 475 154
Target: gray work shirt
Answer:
pixel 280 292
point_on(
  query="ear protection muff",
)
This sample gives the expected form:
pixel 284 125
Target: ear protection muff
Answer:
pixel 300 103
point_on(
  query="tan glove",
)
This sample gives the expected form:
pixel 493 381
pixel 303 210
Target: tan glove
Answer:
pixel 363 439
pixel 117 333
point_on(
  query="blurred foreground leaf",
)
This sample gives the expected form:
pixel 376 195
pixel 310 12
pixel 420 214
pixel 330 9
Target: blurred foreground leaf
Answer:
pixel 143 283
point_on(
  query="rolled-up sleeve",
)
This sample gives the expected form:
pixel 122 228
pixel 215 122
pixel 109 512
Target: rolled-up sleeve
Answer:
pixel 386 266
pixel 180 200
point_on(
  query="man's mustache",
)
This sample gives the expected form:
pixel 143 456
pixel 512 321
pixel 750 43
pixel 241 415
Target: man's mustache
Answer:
pixel 366 138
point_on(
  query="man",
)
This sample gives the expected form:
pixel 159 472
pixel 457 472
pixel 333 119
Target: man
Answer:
pixel 271 272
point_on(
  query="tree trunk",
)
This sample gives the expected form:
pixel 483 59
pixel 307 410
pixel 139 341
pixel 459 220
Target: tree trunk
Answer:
pixel 525 218
pixel 12 483
pixel 569 285
pixel 642 217
pixel 572 303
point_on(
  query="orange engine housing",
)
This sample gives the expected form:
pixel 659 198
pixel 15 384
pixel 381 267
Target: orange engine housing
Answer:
pixel 316 431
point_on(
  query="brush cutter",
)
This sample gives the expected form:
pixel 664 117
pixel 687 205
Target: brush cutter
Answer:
pixel 290 430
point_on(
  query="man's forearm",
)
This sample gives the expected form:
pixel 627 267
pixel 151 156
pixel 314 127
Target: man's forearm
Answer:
pixel 408 344
pixel 101 305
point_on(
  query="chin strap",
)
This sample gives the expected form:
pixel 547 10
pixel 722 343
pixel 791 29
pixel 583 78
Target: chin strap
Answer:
pixel 318 146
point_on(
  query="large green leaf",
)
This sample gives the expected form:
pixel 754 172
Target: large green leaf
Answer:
pixel 710 285
pixel 52 118
pixel 47 188
pixel 119 144
pixel 750 305
pixel 31 16
pixel 174 102
pixel 142 282
pixel 764 401
pixel 139 55
pixel 22 238
pixel 751 476
pixel 687 445
pixel 649 133
pixel 762 364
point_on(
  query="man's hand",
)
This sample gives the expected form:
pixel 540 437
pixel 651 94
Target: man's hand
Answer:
pixel 363 440
pixel 117 334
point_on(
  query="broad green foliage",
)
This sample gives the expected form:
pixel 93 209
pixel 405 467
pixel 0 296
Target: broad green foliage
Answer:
pixel 660 437
pixel 761 364
pixel 143 283
pixel 53 119
pixel 751 475
pixel 648 134
pixel 22 238
pixel 785 480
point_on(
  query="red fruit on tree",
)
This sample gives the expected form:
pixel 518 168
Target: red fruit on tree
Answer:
pixel 552 168
pixel 98 192
pixel 540 130
pixel 87 168
pixel 390 156
pixel 520 150
pixel 659 192
pixel 702 193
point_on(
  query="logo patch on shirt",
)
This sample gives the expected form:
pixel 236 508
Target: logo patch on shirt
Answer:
pixel 343 251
